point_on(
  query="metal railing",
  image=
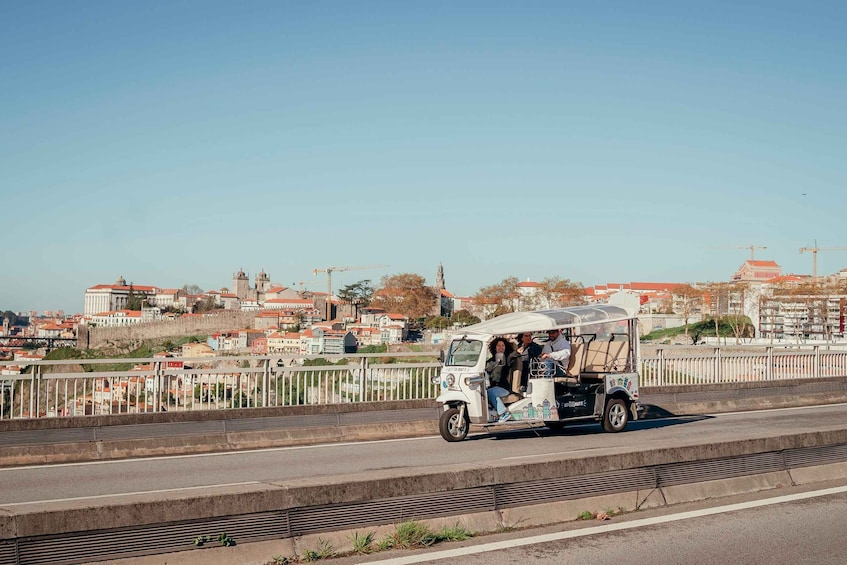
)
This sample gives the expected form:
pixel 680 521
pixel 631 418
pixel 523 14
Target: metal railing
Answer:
pixel 86 387
pixel 145 385
pixel 717 365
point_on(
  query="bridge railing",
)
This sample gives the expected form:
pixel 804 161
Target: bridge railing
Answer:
pixel 145 385
pixel 717 365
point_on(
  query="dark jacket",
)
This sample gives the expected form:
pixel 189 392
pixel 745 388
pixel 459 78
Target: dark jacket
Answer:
pixel 501 375
pixel 522 361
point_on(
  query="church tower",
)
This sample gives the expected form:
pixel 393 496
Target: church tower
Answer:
pixel 263 282
pixel 240 285
pixel 438 307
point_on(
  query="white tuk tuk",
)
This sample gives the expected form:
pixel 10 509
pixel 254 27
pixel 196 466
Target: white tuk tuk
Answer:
pixel 598 382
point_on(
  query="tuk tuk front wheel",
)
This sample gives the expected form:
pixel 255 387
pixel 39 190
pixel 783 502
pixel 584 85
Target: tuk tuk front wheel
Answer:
pixel 453 424
pixel 616 416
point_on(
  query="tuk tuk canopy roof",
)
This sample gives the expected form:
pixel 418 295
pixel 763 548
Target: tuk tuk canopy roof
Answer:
pixel 542 320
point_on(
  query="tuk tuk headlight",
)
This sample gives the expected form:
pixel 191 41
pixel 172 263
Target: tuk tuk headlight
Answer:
pixel 450 380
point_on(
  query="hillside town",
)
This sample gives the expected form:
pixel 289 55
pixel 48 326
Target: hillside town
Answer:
pixel 304 322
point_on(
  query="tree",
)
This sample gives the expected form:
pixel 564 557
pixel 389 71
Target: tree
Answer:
pixel 359 295
pixel 557 292
pixel 436 322
pixel 725 302
pixel 133 301
pixel 464 318
pixel 406 294
pixel 205 305
pixel 192 289
pixel 498 298
pixel 688 301
pixel 12 317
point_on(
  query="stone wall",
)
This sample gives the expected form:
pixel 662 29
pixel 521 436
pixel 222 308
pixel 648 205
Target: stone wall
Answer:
pixel 95 338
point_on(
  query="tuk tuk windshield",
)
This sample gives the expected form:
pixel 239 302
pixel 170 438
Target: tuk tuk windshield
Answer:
pixel 464 352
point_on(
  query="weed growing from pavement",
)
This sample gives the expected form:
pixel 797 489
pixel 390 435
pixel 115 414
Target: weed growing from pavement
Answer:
pixel 363 543
pixel 323 551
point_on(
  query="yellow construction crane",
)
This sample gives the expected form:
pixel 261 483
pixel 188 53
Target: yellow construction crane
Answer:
pixel 814 251
pixel 752 249
pixel 329 271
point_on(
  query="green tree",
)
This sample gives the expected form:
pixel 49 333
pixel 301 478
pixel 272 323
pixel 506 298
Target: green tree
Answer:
pixel 133 301
pixel 358 295
pixel 13 318
pixel 464 318
pixel 436 322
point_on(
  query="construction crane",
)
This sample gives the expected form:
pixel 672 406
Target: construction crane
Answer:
pixel 814 251
pixel 752 249
pixel 329 271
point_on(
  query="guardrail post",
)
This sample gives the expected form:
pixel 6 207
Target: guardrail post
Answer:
pixel 157 372
pixel 34 403
pixel 769 368
pixel 660 372
pixel 363 369
pixel 266 383
pixel 718 365
pixel 817 361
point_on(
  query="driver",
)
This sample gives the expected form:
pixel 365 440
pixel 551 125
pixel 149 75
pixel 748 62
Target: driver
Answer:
pixel 555 353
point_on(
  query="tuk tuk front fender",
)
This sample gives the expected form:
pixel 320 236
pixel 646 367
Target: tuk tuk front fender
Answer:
pixel 452 397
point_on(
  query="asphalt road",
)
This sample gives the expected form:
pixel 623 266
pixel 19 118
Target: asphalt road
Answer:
pixel 84 480
pixel 765 530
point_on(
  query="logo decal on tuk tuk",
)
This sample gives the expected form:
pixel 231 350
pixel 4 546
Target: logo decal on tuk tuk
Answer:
pixel 571 404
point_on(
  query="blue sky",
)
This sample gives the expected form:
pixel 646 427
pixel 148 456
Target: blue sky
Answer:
pixel 174 142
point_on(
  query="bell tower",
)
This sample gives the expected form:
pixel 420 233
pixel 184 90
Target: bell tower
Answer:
pixel 240 284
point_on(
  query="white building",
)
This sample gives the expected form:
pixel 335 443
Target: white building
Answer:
pixel 112 319
pixel 110 297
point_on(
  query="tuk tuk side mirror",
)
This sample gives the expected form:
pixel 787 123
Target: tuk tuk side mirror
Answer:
pixel 441 356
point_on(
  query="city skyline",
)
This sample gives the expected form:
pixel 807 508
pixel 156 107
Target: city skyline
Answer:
pixel 171 144
pixel 318 285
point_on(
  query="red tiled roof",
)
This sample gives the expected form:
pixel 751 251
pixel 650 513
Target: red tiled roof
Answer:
pixel 657 286
pixel 785 278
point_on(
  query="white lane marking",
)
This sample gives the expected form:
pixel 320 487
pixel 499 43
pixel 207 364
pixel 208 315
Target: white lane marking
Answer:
pixel 817 406
pixel 496 546
pixel 7 504
pixel 214 454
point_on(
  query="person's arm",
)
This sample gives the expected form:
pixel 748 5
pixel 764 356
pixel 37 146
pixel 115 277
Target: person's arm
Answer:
pixel 563 354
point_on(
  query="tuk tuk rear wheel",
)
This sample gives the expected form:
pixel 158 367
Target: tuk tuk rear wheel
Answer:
pixel 616 415
pixel 453 424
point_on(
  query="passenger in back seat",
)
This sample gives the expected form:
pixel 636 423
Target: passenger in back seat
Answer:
pixel 556 353
pixel 499 375
pixel 526 352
